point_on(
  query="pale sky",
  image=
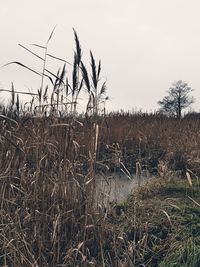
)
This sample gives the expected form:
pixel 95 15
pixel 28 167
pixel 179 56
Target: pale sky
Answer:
pixel 144 45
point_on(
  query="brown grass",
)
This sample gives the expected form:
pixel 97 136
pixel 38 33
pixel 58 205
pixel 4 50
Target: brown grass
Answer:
pixel 47 183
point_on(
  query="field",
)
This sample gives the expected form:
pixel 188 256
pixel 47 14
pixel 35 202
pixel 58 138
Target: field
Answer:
pixel 48 167
pixel 50 158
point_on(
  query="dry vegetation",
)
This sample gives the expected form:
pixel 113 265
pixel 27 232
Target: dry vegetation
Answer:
pixel 49 156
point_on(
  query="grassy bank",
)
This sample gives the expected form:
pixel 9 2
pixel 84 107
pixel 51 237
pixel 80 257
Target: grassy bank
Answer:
pixel 160 225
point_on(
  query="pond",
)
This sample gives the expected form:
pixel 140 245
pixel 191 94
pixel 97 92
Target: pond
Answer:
pixel 115 188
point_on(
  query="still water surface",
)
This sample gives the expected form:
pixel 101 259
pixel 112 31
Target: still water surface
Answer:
pixel 116 187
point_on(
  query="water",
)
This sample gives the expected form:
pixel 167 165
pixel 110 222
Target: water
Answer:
pixel 115 188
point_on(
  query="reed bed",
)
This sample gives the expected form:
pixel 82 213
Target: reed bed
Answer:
pixel 152 140
pixel 49 158
pixel 48 165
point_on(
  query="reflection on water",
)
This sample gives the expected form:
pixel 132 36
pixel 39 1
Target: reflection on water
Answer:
pixel 116 187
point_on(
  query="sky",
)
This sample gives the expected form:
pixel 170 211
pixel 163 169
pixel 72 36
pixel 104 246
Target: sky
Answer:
pixel 144 45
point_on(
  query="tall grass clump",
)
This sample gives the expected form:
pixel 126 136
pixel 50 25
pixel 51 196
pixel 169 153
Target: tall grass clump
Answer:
pixel 47 177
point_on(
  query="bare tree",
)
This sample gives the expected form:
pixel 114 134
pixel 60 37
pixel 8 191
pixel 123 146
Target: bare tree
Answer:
pixel 177 100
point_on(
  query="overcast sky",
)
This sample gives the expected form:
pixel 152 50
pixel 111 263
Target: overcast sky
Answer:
pixel 144 45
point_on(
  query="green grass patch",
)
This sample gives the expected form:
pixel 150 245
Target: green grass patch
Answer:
pixel 162 224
